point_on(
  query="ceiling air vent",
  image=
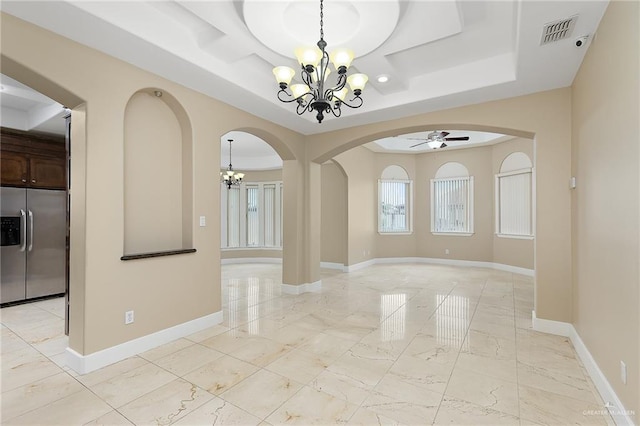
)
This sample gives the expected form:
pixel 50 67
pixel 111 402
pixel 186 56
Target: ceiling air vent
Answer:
pixel 558 30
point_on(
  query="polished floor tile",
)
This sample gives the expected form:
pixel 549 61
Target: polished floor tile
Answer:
pixel 389 344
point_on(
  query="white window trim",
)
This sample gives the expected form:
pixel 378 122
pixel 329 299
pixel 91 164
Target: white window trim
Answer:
pixel 410 209
pixel 470 210
pixel 497 194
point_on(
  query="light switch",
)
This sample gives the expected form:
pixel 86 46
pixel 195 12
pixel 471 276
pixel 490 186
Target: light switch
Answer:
pixel 203 221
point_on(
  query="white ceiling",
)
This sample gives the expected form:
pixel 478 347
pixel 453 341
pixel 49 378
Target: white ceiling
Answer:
pixel 23 108
pixel 437 54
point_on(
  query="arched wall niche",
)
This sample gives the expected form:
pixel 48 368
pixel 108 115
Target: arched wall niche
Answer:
pixel 158 170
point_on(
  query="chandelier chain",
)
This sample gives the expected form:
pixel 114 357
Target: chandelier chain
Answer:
pixel 321 21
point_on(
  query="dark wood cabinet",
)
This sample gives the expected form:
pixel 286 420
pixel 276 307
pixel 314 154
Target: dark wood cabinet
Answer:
pixel 15 168
pixel 33 160
pixel 48 173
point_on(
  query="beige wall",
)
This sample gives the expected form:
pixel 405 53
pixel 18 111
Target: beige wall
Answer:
pixel 478 246
pixel 481 246
pixel 606 215
pixel 334 214
pixel 545 116
pixel 359 165
pixel 605 108
pixel 103 286
pixel 394 245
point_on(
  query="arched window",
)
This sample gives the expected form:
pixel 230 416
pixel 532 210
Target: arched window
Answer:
pixel 395 201
pixel 452 200
pixel 514 197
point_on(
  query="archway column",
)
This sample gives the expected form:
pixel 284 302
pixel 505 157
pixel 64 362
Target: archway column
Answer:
pixel 301 226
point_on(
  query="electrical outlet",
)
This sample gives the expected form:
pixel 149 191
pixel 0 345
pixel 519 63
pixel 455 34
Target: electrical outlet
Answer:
pixel 623 372
pixel 203 221
pixel 128 317
pixel 446 251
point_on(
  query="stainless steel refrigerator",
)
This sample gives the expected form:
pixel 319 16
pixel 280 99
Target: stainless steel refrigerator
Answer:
pixel 33 243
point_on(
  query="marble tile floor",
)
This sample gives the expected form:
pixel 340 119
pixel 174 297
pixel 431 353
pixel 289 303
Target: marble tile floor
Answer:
pixel 405 344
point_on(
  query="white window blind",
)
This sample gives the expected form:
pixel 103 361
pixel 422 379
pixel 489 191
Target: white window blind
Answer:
pixel 513 203
pixel 394 206
pixel 452 205
pixel 233 217
pixel 270 215
pixel 251 215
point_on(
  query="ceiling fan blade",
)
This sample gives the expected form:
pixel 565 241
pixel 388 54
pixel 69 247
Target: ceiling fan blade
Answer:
pixel 412 139
pixel 461 138
pixel 421 143
pixel 443 134
pixel 444 145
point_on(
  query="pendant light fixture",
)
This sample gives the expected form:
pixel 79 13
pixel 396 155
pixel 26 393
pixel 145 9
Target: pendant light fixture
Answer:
pixel 231 178
pixel 312 95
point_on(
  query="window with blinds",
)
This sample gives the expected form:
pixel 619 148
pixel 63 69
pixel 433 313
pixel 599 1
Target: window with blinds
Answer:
pixel 514 203
pixel 251 215
pixel 452 205
pixel 394 206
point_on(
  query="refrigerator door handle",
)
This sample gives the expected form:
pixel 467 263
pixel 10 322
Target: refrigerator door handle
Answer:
pixel 30 230
pixel 23 226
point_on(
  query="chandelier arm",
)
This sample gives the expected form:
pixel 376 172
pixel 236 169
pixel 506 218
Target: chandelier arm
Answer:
pixel 336 111
pixel 302 108
pixel 306 77
pixel 354 106
pixel 300 98
pixel 281 99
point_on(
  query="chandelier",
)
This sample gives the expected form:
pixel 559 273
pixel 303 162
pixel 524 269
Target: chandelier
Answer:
pixel 231 178
pixel 312 95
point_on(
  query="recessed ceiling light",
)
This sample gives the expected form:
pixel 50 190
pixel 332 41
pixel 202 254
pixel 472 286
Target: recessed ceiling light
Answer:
pixel 382 78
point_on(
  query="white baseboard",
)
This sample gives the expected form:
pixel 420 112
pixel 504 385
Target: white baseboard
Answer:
pixel 250 260
pixel 332 265
pixel 612 402
pixel 439 261
pixel 301 288
pixel 84 364
pixel 357 266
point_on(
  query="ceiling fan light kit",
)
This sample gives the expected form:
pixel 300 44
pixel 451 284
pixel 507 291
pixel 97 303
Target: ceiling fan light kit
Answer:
pixel 312 95
pixel 437 140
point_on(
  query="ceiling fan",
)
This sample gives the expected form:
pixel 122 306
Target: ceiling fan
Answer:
pixel 436 139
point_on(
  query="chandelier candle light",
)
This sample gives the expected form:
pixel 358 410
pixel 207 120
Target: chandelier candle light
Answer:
pixel 312 95
pixel 231 178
